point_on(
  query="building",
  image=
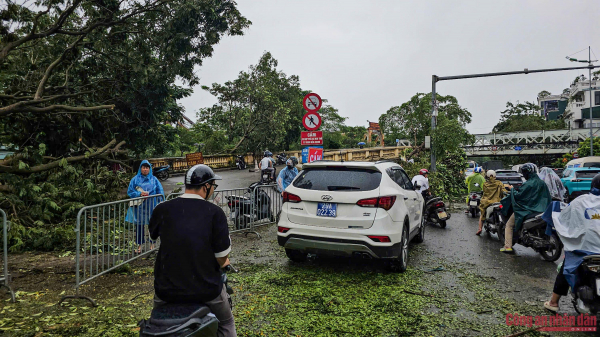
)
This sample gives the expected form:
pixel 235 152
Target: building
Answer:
pixel 579 103
pixel 553 106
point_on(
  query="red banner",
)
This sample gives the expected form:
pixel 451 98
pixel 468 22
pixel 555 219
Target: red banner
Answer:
pixel 311 138
pixel 315 154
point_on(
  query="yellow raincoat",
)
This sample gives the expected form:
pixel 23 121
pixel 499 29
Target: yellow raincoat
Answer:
pixel 493 191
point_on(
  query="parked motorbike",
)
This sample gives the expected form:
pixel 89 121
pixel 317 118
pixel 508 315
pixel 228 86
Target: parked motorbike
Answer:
pixel 254 206
pixel 162 172
pixel 240 163
pixel 474 201
pixel 533 235
pixel 281 158
pixel 184 319
pixel 493 218
pixel 586 296
pixel 435 211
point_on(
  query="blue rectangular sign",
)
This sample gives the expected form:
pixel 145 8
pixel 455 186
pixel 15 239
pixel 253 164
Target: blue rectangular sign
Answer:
pixel 305 153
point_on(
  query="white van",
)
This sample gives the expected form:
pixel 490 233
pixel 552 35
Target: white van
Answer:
pixel 584 162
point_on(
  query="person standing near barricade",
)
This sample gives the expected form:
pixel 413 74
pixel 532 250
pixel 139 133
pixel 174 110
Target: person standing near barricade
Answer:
pixel 195 245
pixel 143 184
pixel 286 175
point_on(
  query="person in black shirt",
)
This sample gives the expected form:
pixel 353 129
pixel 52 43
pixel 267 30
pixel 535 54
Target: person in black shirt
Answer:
pixel 195 245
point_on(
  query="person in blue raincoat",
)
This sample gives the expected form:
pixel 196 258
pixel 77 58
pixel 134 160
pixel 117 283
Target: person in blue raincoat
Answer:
pixel 143 184
pixel 287 175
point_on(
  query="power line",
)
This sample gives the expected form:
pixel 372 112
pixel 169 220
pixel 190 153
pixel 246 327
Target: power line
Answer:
pixel 578 52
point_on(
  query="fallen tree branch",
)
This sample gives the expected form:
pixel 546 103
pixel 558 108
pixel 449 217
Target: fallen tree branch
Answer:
pixel 53 108
pixel 419 294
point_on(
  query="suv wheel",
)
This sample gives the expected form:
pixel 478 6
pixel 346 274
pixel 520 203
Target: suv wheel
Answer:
pixel 419 238
pixel 401 262
pixel 296 255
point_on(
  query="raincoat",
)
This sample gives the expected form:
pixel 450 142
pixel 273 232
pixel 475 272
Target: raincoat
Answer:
pixel 285 177
pixel 532 198
pixel 475 178
pixel 139 213
pixel 552 180
pixel 493 191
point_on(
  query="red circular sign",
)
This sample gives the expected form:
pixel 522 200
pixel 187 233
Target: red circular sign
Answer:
pixel 311 121
pixel 312 102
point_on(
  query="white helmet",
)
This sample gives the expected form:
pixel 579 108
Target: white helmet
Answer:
pixel 491 173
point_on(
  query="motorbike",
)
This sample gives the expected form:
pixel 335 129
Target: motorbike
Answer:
pixel 254 206
pixel 474 201
pixel 266 178
pixel 162 172
pixel 586 296
pixel 493 218
pixel 533 235
pixel 184 319
pixel 435 211
pixel 281 158
pixel 240 163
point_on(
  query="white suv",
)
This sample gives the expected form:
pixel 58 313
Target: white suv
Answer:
pixel 365 209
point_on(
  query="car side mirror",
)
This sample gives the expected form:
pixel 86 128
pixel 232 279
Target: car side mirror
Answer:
pixel 416 186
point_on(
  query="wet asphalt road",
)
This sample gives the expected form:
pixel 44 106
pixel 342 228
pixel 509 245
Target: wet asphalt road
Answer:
pixel 525 275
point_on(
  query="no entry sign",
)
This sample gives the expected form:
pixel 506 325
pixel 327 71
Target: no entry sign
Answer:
pixel 312 102
pixel 311 138
pixel 311 121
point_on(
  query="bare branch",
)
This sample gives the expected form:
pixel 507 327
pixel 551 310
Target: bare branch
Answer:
pixel 20 106
pixel 54 108
pixel 40 90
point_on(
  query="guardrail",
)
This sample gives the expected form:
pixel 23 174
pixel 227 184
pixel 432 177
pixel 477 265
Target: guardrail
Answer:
pixel 6 277
pixel 179 164
pixel 110 235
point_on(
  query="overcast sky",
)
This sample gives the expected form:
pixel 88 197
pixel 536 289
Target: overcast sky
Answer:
pixel 367 56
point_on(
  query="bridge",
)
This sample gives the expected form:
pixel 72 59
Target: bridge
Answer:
pixel 549 142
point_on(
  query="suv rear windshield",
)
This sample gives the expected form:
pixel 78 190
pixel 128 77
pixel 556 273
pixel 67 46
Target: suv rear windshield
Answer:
pixel 586 174
pixel 338 179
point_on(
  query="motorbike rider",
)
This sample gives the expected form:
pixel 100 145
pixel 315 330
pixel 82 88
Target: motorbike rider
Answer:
pixel 266 164
pixel 287 175
pixel 474 183
pixel 493 191
pixel 555 186
pixel 195 245
pixel 532 198
pixel 576 228
pixel 422 179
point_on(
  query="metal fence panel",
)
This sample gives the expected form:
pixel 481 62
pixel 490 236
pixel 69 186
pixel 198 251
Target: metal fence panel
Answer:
pixel 110 235
pixel 6 277
pixel 268 205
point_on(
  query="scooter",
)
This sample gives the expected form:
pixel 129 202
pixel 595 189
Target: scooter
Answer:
pixel 533 235
pixel 162 172
pixel 247 209
pixel 474 200
pixel 493 218
pixel 281 158
pixel 266 177
pixel 184 319
pixel 586 296
pixel 240 163
pixel 435 211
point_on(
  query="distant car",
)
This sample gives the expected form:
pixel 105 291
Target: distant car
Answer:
pixel 353 209
pixel 510 177
pixel 578 180
pixel 471 168
pixel 584 162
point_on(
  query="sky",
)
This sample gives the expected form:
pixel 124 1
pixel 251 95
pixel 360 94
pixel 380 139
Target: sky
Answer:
pixel 365 57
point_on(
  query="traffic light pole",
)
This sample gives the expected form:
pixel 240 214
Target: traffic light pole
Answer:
pixel 436 79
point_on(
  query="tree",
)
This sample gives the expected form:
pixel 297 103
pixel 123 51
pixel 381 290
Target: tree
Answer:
pixel 544 93
pixel 412 120
pixel 525 117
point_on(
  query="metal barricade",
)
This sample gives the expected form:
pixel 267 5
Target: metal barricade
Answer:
pixel 268 205
pixel 110 235
pixel 6 277
pixel 174 195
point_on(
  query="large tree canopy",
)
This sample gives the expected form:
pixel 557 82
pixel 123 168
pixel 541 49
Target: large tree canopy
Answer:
pixel 525 117
pixel 77 74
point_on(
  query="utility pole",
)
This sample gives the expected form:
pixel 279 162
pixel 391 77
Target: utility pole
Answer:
pixel 436 79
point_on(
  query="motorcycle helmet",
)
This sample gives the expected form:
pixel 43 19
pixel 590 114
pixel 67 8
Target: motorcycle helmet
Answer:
pixel 478 169
pixel 199 175
pixel 491 173
pixel 294 160
pixel 423 172
pixel 527 170
pixel 596 181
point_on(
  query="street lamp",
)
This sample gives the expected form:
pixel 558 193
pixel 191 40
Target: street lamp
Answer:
pixel 589 61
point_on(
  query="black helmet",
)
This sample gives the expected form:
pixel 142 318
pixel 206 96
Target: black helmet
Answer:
pixel 294 160
pixel 527 170
pixel 199 175
pixel 596 181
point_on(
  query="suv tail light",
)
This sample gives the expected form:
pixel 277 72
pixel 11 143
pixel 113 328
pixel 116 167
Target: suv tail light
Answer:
pixel 576 180
pixel 377 238
pixel 289 197
pixel 381 202
pixel 282 229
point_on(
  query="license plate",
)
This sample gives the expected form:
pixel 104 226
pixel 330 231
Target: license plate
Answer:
pixel 232 215
pixel 598 287
pixel 442 215
pixel 327 209
pixel 473 203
